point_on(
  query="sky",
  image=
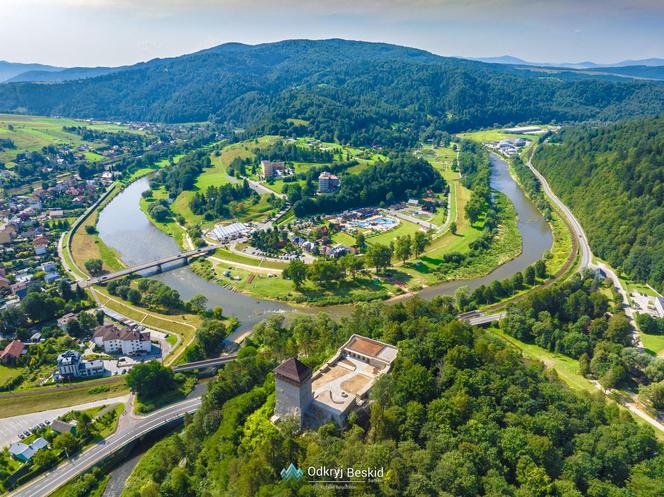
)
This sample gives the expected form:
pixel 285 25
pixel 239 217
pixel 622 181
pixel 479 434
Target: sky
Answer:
pixel 118 32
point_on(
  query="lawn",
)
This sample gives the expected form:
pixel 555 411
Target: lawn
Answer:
pixel 44 399
pixel 86 246
pixel 7 374
pixel 405 228
pixel 242 259
pixel 653 343
pixel 343 239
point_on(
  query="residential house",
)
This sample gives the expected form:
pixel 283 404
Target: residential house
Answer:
pixel 7 232
pixel 71 366
pixel 12 352
pixel 328 182
pixel 64 320
pixel 59 426
pixel 23 452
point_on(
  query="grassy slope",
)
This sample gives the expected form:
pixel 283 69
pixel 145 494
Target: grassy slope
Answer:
pixel 44 399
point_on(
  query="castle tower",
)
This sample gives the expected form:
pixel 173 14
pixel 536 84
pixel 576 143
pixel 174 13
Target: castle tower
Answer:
pixel 293 390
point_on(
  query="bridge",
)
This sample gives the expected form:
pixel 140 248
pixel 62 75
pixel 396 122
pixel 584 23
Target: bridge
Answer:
pixel 130 429
pixel 477 318
pixel 159 264
pixel 207 363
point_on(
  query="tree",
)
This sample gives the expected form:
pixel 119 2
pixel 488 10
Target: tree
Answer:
pixel 38 306
pixel 360 241
pixel 654 394
pixel 66 442
pixel 198 303
pixel 352 264
pixel 379 256
pixel 296 272
pixel 94 266
pixel 134 296
pixel 530 276
pixel 420 241
pixel 45 459
pixel 403 248
pixel 453 227
pixel 540 269
pixel 517 281
pixel 74 329
pixel 150 379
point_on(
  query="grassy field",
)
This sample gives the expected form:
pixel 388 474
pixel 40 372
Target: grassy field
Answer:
pixel 405 228
pixel 493 135
pixel 7 374
pixel 32 133
pixel 653 343
pixel 45 399
pixel 86 245
pixel 233 257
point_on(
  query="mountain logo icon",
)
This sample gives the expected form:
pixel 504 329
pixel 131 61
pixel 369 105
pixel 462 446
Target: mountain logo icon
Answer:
pixel 292 472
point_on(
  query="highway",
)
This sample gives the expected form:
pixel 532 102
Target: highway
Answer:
pixel 129 429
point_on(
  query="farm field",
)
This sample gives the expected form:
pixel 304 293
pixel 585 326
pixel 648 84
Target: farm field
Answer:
pixel 32 133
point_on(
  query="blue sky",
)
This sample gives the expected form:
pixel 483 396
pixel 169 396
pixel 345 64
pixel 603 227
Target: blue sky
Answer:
pixel 116 32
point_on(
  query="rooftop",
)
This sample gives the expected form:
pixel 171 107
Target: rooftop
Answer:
pixel 293 370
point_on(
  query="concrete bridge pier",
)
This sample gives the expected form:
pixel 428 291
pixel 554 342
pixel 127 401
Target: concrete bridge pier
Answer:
pixel 159 268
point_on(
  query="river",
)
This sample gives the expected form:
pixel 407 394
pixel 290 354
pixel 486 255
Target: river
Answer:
pixel 124 227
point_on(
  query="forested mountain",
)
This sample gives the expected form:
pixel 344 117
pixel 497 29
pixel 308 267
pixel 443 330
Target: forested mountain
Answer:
pixel 63 74
pixel 460 414
pixel 351 91
pixel 613 179
pixel 9 70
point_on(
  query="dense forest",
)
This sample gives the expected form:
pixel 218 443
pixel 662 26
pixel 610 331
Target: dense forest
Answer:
pixel 613 179
pixel 381 183
pixel 461 414
pixel 337 90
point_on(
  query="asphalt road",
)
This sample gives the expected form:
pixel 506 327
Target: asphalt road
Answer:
pixel 586 253
pixel 130 428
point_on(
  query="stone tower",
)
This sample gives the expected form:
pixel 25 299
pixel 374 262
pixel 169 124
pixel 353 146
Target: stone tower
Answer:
pixel 293 390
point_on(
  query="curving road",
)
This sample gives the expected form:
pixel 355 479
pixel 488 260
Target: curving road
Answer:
pixel 586 253
pixel 130 428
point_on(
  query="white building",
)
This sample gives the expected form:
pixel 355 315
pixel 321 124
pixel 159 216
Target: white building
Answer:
pixel 659 306
pixel 71 366
pixel 126 341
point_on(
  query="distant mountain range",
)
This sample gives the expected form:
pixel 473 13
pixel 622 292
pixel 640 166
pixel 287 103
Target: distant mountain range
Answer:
pixel 508 59
pixel 9 70
pixel 354 92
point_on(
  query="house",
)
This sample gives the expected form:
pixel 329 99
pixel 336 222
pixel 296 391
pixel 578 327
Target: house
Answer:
pixel 7 233
pixel 59 426
pixel 270 169
pixel 659 306
pixel 327 182
pixel 23 452
pixel 49 267
pixel 338 387
pixel 36 337
pixel 64 320
pixel 51 277
pixel 70 366
pixel 4 282
pixel 413 202
pixel 20 288
pixel 40 248
pixel 12 352
pixel 127 341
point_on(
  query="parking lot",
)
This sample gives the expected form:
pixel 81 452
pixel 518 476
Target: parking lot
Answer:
pixel 10 428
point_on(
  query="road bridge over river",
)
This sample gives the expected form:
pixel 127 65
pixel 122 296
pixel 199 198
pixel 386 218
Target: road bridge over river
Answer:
pixel 159 264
